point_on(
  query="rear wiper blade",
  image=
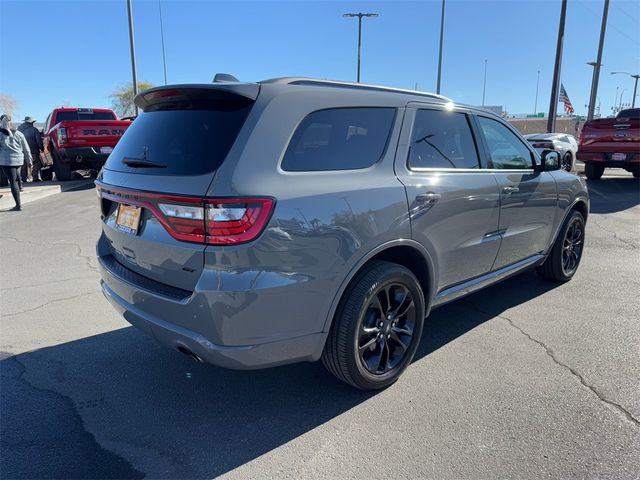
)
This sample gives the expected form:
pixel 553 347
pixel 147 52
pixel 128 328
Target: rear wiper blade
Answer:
pixel 137 163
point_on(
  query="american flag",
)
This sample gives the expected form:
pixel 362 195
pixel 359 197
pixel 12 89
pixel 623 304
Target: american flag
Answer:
pixel 564 98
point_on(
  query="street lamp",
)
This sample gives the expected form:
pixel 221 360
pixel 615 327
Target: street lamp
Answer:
pixel 359 15
pixel 635 87
pixel 133 54
pixel 535 106
pixel 484 83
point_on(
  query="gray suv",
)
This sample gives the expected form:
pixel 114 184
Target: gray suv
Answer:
pixel 250 225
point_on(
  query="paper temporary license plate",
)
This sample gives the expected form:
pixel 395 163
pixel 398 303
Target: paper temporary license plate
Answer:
pixel 106 149
pixel 128 218
pixel 619 157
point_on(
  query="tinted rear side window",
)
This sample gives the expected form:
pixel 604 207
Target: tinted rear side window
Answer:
pixel 442 139
pixel 339 139
pixel 72 116
pixel 186 142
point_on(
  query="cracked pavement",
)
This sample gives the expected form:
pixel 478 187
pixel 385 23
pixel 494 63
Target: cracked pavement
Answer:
pixel 525 379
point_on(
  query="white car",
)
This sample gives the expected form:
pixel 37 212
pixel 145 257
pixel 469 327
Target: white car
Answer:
pixel 563 143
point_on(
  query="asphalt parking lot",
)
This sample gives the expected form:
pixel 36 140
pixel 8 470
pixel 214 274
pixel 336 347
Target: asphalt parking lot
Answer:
pixel 525 379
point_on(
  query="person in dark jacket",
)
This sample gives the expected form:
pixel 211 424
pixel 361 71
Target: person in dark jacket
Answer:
pixel 34 139
pixel 14 151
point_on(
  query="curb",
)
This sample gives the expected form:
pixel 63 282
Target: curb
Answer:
pixel 33 192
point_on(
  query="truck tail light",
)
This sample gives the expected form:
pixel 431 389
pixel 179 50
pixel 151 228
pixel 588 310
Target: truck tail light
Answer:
pixel 214 221
pixel 62 135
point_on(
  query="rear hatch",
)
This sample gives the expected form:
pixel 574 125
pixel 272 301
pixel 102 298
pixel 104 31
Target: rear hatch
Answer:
pixel 153 184
pixel 620 134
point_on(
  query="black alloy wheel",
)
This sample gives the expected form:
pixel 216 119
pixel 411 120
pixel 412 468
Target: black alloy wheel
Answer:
pixel 386 328
pixel 572 247
pixel 564 258
pixel 377 326
pixel 567 162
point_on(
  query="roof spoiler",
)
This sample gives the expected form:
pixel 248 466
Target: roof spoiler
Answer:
pixel 162 97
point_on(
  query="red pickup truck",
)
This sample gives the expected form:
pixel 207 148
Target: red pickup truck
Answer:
pixel 79 139
pixel 611 142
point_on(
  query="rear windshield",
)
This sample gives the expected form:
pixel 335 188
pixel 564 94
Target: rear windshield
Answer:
pixel 184 142
pixel 72 116
pixel 629 113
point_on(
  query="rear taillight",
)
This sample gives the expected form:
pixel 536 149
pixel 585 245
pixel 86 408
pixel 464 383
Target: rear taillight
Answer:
pixel 546 145
pixel 236 220
pixel 215 221
pixel 62 135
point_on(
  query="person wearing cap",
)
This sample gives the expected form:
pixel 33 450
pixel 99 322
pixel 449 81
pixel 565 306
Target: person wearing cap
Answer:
pixel 14 152
pixel 34 139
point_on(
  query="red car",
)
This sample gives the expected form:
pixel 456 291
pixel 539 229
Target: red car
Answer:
pixel 611 142
pixel 79 139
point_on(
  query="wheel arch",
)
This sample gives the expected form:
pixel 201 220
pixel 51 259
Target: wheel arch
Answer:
pixel 580 204
pixel 405 252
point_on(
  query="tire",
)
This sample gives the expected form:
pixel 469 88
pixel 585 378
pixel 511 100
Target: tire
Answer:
pixel 361 320
pixel 46 175
pixel 593 171
pixel 557 266
pixel 567 162
pixel 62 170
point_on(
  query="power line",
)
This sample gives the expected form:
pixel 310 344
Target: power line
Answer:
pixel 627 14
pixel 609 24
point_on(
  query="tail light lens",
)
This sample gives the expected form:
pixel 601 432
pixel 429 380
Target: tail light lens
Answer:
pixel 62 135
pixel 214 221
pixel 547 145
pixel 236 220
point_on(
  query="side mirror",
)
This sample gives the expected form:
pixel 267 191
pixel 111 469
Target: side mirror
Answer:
pixel 550 160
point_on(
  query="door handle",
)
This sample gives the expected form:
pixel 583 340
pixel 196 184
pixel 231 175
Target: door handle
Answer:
pixel 429 197
pixel 510 190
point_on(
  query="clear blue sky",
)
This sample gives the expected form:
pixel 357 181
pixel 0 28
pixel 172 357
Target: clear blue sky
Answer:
pixel 77 52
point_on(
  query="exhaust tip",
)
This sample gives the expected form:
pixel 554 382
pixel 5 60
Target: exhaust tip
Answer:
pixel 190 354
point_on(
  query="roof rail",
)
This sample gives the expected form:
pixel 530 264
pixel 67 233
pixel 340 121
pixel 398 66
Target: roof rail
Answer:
pixel 359 86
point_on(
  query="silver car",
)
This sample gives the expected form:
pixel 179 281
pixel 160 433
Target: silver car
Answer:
pixel 250 225
pixel 566 145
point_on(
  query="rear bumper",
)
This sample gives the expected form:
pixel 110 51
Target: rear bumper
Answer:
pixel 605 159
pixel 160 316
pixel 83 158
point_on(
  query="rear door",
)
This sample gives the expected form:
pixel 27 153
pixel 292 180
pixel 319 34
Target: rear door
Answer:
pixel 153 183
pixel 528 198
pixel 454 205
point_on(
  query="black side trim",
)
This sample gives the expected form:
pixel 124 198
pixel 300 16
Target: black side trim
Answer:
pixel 111 265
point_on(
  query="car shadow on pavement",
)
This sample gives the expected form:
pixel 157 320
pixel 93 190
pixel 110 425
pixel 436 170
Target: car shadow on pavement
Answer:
pixel 177 418
pixel 613 194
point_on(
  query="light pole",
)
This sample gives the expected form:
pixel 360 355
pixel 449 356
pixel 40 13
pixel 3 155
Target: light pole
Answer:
pixel 593 79
pixel 484 83
pixel 359 15
pixel 596 68
pixel 440 52
pixel 620 102
pixel 555 86
pixel 164 60
pixel 535 105
pixel 615 102
pixel 635 86
pixel 133 54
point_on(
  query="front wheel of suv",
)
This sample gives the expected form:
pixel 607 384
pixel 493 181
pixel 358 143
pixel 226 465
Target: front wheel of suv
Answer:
pixel 564 258
pixel 377 327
